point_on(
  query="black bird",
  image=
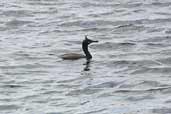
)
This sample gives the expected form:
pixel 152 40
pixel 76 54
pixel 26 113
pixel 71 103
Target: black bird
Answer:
pixel 74 56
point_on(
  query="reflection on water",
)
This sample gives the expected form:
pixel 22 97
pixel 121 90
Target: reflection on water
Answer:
pixel 130 70
pixel 87 65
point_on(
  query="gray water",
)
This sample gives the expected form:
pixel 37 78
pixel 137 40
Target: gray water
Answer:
pixel 130 72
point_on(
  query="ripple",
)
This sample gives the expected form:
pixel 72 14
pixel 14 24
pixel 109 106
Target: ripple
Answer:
pixel 115 46
pixel 17 13
pixel 12 86
pixel 9 107
pixel 96 111
pixel 140 98
pixel 86 91
pixel 54 113
pixel 96 4
pixel 42 3
pixel 139 91
pixel 166 61
pixel 110 84
pixel 145 84
pixel 26 66
pixel 163 70
pixel 162 110
pixel 169 101
pixel 161 4
pixel 17 23
pixel 87 23
pixel 156 44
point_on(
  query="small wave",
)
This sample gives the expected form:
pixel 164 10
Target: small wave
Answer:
pixel 154 70
pixel 96 29
pixel 56 113
pixel 155 89
pixel 128 91
pixel 51 92
pixel 26 66
pixel 96 4
pixel 168 31
pixel 162 13
pixel 140 98
pixel 154 30
pixel 161 4
pixel 127 43
pixel 86 91
pixel 153 84
pixel 158 89
pixel 126 25
pixel 156 39
pixel 12 86
pixel 34 96
pixel 9 107
pixel 109 84
pixel 168 101
pixel 156 21
pixel 52 11
pixel 88 24
pixel 132 4
pixel 16 23
pixel 129 28
pixel 3 29
pixel 17 13
pixel 162 111
pixel 115 46
pixel 155 44
pixel 42 3
pixel 94 112
pixel 149 84
pixel 166 61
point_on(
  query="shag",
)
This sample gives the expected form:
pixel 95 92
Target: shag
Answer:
pixel 74 56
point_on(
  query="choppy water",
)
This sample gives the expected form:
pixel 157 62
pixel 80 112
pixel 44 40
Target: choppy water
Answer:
pixel 131 68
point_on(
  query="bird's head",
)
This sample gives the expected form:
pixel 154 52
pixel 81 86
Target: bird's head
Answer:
pixel 88 41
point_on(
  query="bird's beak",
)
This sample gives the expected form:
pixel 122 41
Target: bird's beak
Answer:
pixel 94 41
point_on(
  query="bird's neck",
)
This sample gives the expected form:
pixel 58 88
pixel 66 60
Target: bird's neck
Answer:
pixel 87 53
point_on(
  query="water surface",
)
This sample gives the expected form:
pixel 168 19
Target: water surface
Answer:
pixel 130 70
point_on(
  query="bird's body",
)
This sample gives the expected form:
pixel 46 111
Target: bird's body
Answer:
pixel 75 56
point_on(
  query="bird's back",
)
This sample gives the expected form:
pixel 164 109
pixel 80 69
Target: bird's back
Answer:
pixel 72 56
